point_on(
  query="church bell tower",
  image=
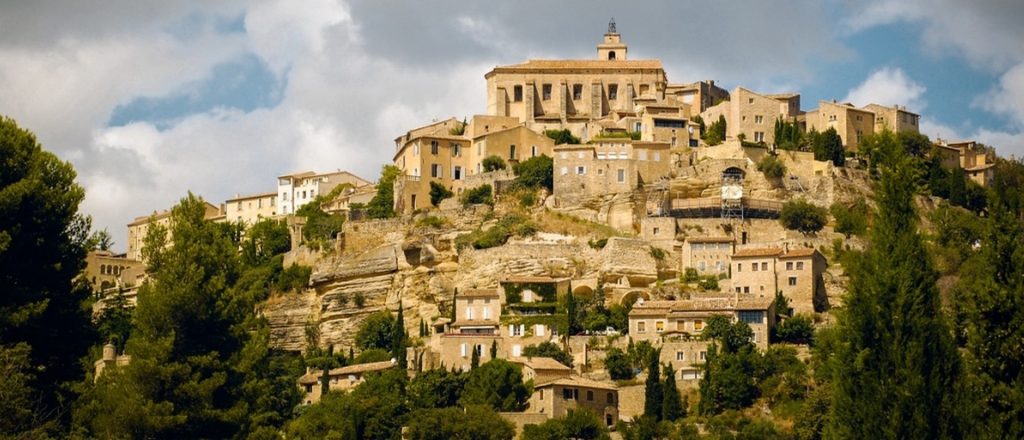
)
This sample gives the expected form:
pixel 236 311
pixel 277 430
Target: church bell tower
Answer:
pixel 611 48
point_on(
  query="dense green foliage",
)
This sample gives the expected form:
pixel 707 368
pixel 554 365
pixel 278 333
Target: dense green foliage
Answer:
pixel 827 145
pixel 499 233
pixel 44 326
pixel 772 167
pixel 375 409
pixel 896 370
pixel 377 331
pixel 715 134
pixel 550 350
pixel 493 163
pixel 798 329
pixel 801 215
pixel 618 365
pixel 535 172
pixel 851 218
pixel 653 392
pixel 438 192
pixel 672 407
pixel 382 205
pixel 788 135
pixel 473 423
pixel 478 195
pixel 581 424
pixel 563 136
pixel 497 384
pixel 320 227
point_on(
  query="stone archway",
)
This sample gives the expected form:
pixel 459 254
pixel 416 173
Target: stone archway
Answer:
pixel 632 296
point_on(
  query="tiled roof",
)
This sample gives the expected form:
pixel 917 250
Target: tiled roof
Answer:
pixel 710 239
pixel 724 304
pixel 478 293
pixel 314 376
pixel 253 196
pixel 578 381
pixel 800 252
pixel 476 323
pixel 757 252
pixel 541 363
pixel 532 279
pixel 582 64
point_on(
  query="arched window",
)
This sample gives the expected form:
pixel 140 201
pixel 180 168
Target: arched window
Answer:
pixel 611 55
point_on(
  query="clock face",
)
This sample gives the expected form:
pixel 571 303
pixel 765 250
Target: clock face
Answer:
pixel 732 192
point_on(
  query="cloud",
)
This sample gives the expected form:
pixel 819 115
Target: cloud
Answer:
pixel 1007 97
pixel 889 86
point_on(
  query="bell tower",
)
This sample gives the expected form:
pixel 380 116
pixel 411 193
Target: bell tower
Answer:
pixel 612 47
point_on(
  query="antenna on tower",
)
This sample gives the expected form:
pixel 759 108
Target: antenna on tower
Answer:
pixel 611 26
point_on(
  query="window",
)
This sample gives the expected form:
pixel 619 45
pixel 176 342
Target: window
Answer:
pixel 469 313
pixel 641 327
pixel 659 326
pixel 577 91
pixel 750 100
pixel 517 93
pixel 610 397
pixel 433 148
pixel 701 266
pixel 600 171
pixel 546 91
pixel 512 152
pixel 739 267
pixel 792 281
pixel 698 325
pixel 642 154
pixel 566 393
pixel 613 91
pixel 581 170
pixel 657 155
pixel 758 119
pixel 457 173
pixel 764 265
pixel 611 55
pixel 456 150
pixel 621 175
pixel 538 330
pixel 645 89
pixel 517 350
pixel 590 395
pixel 680 356
pixel 750 317
pixel 463 349
pixel 703 355
pixel 755 267
pixel 435 170
pixel 565 170
pixel 541 394
pixel 487 313
pixel 638 127
pixel 799 265
pixel 533 151
pixel 758 136
pixel 789 265
pixel 412 202
pixel 303 194
pixel 746 289
pixel 515 330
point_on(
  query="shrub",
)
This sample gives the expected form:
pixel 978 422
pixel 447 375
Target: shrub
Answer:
pixel 359 299
pixel 438 192
pixel 801 215
pixel 535 172
pixel 658 253
pixel 797 330
pixel 716 132
pixel 294 277
pixel 549 350
pixel 493 163
pixel 376 331
pixel 478 195
pixel 383 203
pixel 618 365
pixel 771 166
pixel 709 282
pixel 527 199
pixel 690 275
pixel 598 244
pixel 432 221
pixel 563 136
pixel 851 219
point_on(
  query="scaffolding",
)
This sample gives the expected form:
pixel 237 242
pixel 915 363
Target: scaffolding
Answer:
pixel 732 196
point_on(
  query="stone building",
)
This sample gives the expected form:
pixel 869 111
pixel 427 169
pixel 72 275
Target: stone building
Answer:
pixel 339 379
pixel 687 355
pixel 654 321
pixel 708 255
pixel 250 209
pixel 797 273
pixel 106 270
pixel 607 167
pixel 895 119
pixel 697 96
pixel 295 190
pixel 558 397
pixel 966 155
pixel 541 369
pixel 139 227
pixel 110 359
pixel 850 122
pixel 753 115
pixel 573 94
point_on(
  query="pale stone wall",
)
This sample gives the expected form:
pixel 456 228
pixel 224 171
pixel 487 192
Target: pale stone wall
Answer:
pixel 894 119
pixel 104 270
pixel 800 280
pixel 687 358
pixel 851 123
pixel 251 209
pixel 754 276
pixel 708 258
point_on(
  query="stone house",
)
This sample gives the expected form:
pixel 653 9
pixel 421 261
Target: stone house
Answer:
pixel 110 359
pixel 687 356
pixel 139 227
pixel 106 270
pixel 895 119
pixel 557 397
pixel 556 94
pixel 708 255
pixel 609 166
pixel 968 156
pixel 339 379
pixel 753 271
pixel 654 321
pixel 797 273
pixel 541 369
pixel 697 96
pixel 295 190
pixel 250 209
pixel 850 122
pixel 753 115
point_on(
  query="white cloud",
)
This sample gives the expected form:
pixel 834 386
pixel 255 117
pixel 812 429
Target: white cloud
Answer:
pixel 1006 98
pixel 889 86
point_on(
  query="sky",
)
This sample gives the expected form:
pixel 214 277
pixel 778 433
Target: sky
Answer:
pixel 152 99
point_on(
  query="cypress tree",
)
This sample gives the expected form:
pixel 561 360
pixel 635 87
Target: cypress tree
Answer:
pixel 570 311
pixel 475 360
pixel 896 367
pixel 398 341
pixel 454 296
pixel 652 388
pixel 494 349
pixel 671 405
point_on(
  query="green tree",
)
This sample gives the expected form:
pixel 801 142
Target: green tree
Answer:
pixel 896 370
pixel 399 339
pixel 549 350
pixel 581 424
pixel 265 239
pixel 535 172
pixel 828 145
pixel 436 388
pixel 377 331
pixel 478 195
pixel 618 364
pixel 494 349
pixel 43 241
pixel 716 132
pixel 771 166
pixel 382 205
pixel 114 323
pixel 473 423
pixel 101 240
pixel 474 360
pixel 571 314
pixel 493 163
pixel 730 368
pixel 672 407
pixel 851 218
pixel 438 192
pixel 801 215
pixel 375 409
pixel 497 384
pixel 653 393
pixel 796 330
pixel 563 136
pixel 320 227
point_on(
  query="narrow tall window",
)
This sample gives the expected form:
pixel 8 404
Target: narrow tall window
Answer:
pixel 577 91
pixel 613 91
pixel 517 93
pixel 546 91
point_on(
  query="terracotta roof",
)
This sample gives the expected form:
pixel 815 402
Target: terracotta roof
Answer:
pixel 541 363
pixel 574 147
pixel 532 279
pixel 723 304
pixel 146 218
pixel 479 293
pixel 757 252
pixel 476 323
pixel 578 381
pixel 314 376
pixel 581 64
pixel 980 167
pixel 800 252
pixel 254 196
pixel 297 175
pixel 710 239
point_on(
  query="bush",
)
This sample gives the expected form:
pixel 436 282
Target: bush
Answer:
pixel 796 330
pixel 383 203
pixel 535 172
pixel 438 193
pixel 563 136
pixel 690 275
pixel 478 195
pixel 372 355
pixel 498 234
pixel 376 331
pixel 772 167
pixel 801 215
pixel 618 365
pixel 292 278
pixel 527 199
pixel 851 219
pixel 716 132
pixel 658 253
pixel 709 282
pixel 432 221
pixel 550 350
pixel 493 163
pixel 598 244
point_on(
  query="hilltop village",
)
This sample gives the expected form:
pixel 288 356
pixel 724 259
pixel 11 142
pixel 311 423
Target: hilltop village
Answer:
pixel 595 207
